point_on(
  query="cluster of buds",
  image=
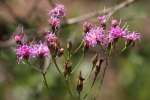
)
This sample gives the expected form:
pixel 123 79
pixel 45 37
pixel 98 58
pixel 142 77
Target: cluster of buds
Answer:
pixel 100 35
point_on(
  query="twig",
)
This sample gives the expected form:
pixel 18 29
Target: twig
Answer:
pixel 99 12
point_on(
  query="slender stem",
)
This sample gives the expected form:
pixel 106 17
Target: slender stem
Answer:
pixel 58 69
pixel 79 96
pixel 44 80
pixel 77 65
pixel 125 47
pixel 67 82
pixel 88 92
pixel 68 87
pixel 105 68
pixel 78 48
pixel 35 68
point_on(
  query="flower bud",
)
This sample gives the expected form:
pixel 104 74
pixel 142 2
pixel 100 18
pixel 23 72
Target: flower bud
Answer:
pixel 60 52
pixel 103 20
pixel 114 23
pixel 19 38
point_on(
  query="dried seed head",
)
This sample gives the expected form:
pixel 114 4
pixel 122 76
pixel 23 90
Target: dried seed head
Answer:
pixel 67 68
pixel 97 69
pixel 80 83
pixel 94 60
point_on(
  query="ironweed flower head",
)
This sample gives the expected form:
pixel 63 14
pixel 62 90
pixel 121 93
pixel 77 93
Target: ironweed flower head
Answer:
pixel 94 36
pixel 40 50
pixel 117 32
pixel 56 15
pixel 57 12
pixel 51 39
pixel 54 22
pixel 134 36
pixel 23 52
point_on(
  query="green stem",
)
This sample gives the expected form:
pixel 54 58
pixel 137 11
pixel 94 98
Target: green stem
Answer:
pixel 79 96
pixel 77 65
pixel 67 82
pixel 111 47
pixel 77 49
pixel 68 87
pixel 124 47
pixel 44 80
pixel 54 61
pixel 35 68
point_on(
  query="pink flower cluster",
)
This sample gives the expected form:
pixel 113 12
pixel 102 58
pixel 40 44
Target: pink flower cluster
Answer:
pixel 94 36
pixel 28 51
pixel 56 15
pixel 100 35
pixel 25 51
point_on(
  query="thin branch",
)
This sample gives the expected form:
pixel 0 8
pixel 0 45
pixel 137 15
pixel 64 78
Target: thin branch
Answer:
pixel 99 12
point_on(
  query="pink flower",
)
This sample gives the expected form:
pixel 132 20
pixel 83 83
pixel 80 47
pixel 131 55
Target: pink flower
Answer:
pixel 56 15
pixel 116 32
pixel 51 39
pixel 94 36
pixel 57 12
pixel 18 37
pixel 23 52
pixel 134 36
pixel 40 50
pixel 54 22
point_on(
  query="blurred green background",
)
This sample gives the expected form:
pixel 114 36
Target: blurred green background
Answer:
pixel 128 75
